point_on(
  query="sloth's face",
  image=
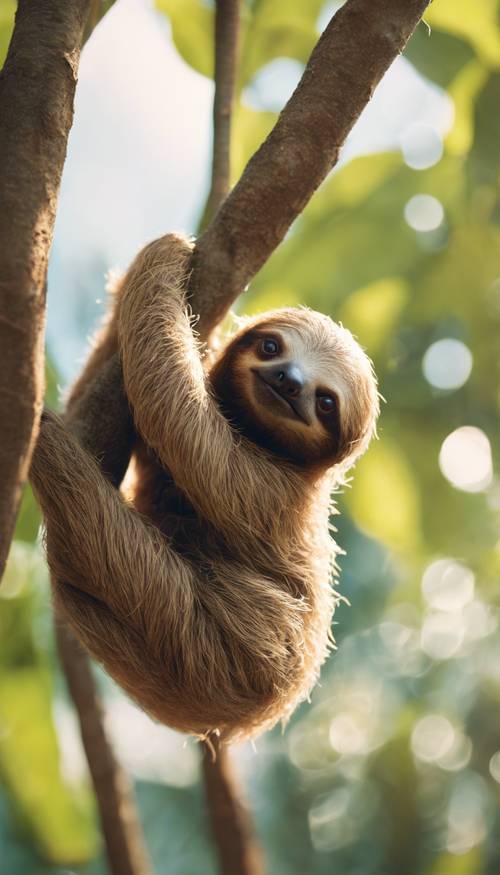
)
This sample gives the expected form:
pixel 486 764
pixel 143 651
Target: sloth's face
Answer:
pixel 298 384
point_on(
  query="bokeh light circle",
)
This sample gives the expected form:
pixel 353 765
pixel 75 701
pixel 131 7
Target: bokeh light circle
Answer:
pixel 465 459
pixel 423 212
pixel 421 145
pixel 447 364
pixel 432 737
pixel 447 585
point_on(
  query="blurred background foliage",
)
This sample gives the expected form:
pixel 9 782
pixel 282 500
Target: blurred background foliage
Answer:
pixel 395 765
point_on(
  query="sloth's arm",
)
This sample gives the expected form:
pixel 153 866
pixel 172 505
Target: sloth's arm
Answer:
pixel 95 541
pixel 173 408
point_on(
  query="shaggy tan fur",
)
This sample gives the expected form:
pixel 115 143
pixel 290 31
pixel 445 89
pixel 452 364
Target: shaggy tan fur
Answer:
pixel 210 601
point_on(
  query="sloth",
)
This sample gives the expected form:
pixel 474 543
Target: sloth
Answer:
pixel 207 593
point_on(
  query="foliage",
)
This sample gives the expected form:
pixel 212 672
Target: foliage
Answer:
pixel 391 768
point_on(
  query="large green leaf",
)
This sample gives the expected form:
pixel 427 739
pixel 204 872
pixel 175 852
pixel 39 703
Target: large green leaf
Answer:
pixel 437 54
pixel 192 23
pixel 58 820
pixel 475 22
pixel 394 518
pixel 7 14
pixel 268 30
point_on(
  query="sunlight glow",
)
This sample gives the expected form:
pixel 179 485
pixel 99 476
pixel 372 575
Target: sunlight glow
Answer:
pixel 495 767
pixel 447 364
pixel 467 814
pixel 421 145
pixel 447 585
pixel 442 634
pixel 423 212
pixel 432 738
pixel 465 459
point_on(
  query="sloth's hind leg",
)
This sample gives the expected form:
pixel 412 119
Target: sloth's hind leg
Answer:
pixel 99 544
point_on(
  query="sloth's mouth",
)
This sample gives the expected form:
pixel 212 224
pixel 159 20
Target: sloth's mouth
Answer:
pixel 288 405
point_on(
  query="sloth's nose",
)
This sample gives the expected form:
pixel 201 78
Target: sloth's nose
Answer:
pixel 287 379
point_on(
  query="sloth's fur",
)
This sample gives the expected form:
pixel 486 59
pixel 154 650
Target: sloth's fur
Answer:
pixel 209 601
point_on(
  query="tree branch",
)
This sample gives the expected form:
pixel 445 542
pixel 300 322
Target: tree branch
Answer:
pixel 227 19
pixel 37 85
pixel 232 827
pixel 354 52
pixel 126 853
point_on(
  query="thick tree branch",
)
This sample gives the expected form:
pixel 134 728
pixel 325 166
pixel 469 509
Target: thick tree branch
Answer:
pixel 354 52
pixel 126 853
pixel 37 86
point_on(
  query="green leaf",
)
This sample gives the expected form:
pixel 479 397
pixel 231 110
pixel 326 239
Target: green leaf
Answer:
pixel 437 54
pixel 278 30
pixel 373 312
pixel 192 23
pixel 394 518
pixel 463 91
pixel 7 15
pixel 475 22
pixel 59 821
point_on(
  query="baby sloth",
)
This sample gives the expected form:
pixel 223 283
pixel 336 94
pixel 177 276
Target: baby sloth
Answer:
pixel 208 598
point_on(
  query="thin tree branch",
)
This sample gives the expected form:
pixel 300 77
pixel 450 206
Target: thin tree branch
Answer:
pixel 232 826
pixel 354 52
pixel 227 20
pixel 37 86
pixel 126 853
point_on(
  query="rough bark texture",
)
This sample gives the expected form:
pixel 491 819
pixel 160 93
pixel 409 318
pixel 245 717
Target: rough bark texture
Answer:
pixel 37 86
pixel 354 52
pixel 238 850
pixel 124 845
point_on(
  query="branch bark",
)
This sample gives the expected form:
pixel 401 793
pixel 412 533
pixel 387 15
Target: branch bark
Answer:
pixel 232 826
pixel 227 20
pixel 126 853
pixel 354 52
pixel 37 86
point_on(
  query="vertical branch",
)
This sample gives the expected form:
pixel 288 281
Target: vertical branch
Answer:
pixel 227 18
pixel 37 86
pixel 232 827
pixel 122 833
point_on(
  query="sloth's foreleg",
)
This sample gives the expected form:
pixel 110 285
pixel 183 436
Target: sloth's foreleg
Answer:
pixel 100 545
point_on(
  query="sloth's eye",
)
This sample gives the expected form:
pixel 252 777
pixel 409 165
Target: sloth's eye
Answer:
pixel 326 403
pixel 269 346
